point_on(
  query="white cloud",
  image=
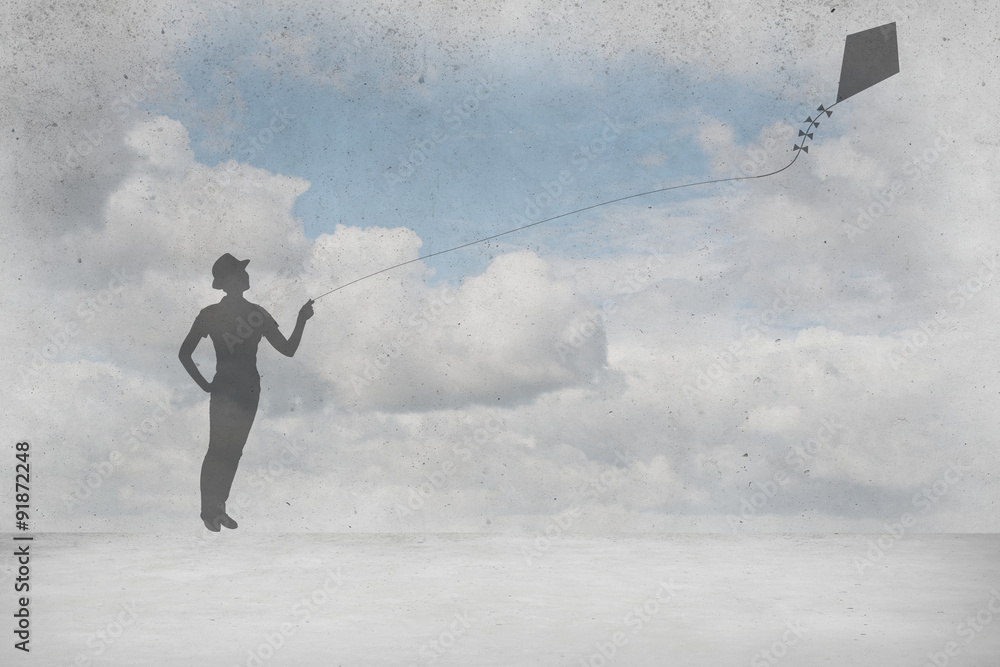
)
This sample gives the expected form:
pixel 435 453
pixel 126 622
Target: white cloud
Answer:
pixel 494 340
pixel 530 343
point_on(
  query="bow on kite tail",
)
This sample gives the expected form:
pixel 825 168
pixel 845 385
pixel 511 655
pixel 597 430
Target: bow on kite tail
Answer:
pixel 870 56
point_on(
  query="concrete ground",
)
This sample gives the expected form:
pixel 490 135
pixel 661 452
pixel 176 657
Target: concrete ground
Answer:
pixel 244 599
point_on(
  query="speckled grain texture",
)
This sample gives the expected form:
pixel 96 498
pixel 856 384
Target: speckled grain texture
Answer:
pixel 212 601
pixel 677 379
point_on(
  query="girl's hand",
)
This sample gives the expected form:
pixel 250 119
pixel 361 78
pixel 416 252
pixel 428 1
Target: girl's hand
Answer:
pixel 306 311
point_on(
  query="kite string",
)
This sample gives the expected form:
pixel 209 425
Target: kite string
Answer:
pixel 798 151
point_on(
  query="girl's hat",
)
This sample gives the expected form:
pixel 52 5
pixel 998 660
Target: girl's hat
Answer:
pixel 226 266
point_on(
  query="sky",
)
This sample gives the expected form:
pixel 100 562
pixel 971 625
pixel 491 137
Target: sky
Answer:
pixel 810 352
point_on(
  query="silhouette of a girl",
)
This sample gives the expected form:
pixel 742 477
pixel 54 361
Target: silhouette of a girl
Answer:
pixel 235 326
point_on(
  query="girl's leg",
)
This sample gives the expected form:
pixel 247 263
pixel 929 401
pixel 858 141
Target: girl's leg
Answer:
pixel 231 414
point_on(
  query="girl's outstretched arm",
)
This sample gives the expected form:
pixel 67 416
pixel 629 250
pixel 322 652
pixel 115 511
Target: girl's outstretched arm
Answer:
pixel 288 347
